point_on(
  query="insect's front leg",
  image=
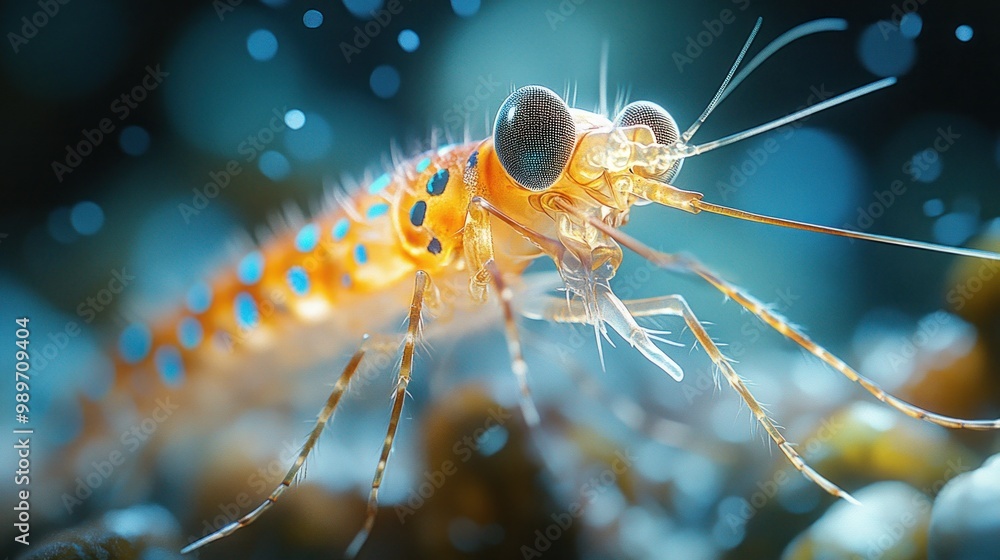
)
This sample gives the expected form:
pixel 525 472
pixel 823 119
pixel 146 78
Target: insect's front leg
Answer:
pixel 557 310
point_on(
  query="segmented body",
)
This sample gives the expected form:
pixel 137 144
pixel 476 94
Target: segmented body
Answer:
pixel 409 218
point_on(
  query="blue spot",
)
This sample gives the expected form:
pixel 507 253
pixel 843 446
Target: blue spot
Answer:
pixel 362 8
pixel 135 342
pixel 376 210
pixel 473 160
pixel 418 213
pixel 926 166
pixel 955 228
pixel 492 441
pixel 312 141
pixel 933 208
pixel 346 280
pixel 910 25
pixel 170 365
pixel 409 40
pixel 262 45
pixel 379 185
pixel 86 218
pixel 247 316
pixel 189 332
pixel 424 164
pixel 964 33
pixel 199 297
pixel 384 81
pixel 340 229
pixel 274 165
pixel 312 19
pixel 307 238
pixel 295 119
pixel 251 268
pixel 434 246
pixel 465 8
pixel 884 51
pixel 437 183
pixel 134 140
pixel 360 254
pixel 298 280
pixel 60 227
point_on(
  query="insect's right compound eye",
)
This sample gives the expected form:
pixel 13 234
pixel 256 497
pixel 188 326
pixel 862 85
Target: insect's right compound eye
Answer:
pixel 534 136
pixel 659 121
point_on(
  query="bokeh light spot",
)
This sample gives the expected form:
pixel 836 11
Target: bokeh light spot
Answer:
pixel 409 40
pixel 964 33
pixel 59 226
pixel 955 228
pixel 87 218
pixel 274 165
pixel 312 19
pixel 262 45
pixel 134 140
pixel 926 166
pixel 465 8
pixel 385 81
pixel 295 119
pixel 910 25
pixel 312 141
pixel 362 8
pixel 884 51
pixel 933 208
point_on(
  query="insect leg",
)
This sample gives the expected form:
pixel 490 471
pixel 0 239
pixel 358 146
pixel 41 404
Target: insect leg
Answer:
pixel 421 285
pixel 795 334
pixel 787 329
pixel 517 362
pixel 321 421
pixel 675 305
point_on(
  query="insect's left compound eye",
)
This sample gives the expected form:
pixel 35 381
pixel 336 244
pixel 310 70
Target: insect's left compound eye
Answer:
pixel 534 135
pixel 662 124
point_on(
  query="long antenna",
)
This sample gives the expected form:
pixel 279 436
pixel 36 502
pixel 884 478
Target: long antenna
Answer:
pixel 701 205
pixel 683 151
pixel 722 89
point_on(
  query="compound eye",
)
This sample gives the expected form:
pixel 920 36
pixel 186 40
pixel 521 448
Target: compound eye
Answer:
pixel 662 124
pixel 534 136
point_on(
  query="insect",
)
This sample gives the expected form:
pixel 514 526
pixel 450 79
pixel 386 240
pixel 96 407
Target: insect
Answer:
pixel 551 182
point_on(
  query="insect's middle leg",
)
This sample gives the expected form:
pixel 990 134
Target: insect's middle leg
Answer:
pixel 675 305
pixel 422 286
pixel 517 363
pixel 321 421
